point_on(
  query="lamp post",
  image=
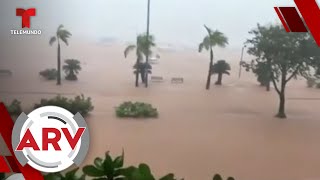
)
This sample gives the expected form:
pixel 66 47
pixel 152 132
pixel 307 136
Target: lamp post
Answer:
pixel 241 60
pixel 148 32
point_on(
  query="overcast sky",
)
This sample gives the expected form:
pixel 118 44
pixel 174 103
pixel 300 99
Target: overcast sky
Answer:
pixel 178 22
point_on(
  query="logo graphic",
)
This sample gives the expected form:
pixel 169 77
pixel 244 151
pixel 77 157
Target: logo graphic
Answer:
pixel 50 139
pixel 10 163
pixel 25 16
pixel 16 177
pixel 292 21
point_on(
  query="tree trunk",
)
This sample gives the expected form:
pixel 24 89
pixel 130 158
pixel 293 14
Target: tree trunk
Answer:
pixel 137 73
pixel 219 81
pixel 137 78
pixel 59 66
pixel 268 85
pixel 269 75
pixel 142 74
pixel 210 70
pixel 281 112
pixel 282 98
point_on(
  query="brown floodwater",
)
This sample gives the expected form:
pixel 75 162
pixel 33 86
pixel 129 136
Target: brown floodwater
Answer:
pixel 229 130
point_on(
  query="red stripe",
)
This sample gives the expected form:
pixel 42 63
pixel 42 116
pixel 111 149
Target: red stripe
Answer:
pixel 293 19
pixel 13 165
pixel 6 131
pixel 282 19
pixel 4 168
pixel 310 11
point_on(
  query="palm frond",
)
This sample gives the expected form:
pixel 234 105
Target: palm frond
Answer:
pixel 65 40
pixel 221 66
pixel 145 43
pixel 72 65
pixel 208 29
pixel 128 50
pixel 52 40
pixel 59 27
pixel 64 32
pixel 200 47
pixel 219 39
pixel 215 38
pixel 64 35
pixel 205 44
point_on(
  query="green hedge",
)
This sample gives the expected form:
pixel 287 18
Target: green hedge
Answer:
pixel 49 74
pixel 14 108
pixel 78 104
pixel 136 110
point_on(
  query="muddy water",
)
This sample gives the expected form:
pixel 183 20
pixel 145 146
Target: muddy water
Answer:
pixel 228 130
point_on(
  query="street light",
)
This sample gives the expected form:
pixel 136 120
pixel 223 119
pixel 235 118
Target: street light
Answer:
pixel 241 60
pixel 148 32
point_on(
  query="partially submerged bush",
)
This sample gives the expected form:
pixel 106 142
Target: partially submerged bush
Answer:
pixel 72 68
pixel 113 169
pixel 109 168
pixel 70 175
pixel 311 82
pixel 49 74
pixel 14 108
pixel 78 104
pixel 136 110
pixel 219 177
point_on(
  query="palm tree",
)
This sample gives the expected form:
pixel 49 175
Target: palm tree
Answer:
pixel 214 38
pixel 62 35
pixel 142 48
pixel 71 68
pixel 220 67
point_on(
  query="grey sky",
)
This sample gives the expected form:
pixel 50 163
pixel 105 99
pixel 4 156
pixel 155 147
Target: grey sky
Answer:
pixel 178 22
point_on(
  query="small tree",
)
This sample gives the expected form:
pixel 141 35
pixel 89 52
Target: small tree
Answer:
pixel 261 70
pixel 287 54
pixel 142 48
pixel 72 68
pixel 221 67
pixel 214 38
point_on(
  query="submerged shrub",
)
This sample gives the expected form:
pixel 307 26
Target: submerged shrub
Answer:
pixel 112 169
pixel 14 108
pixel 78 104
pixel 70 175
pixel 219 177
pixel 136 110
pixel 72 68
pixel 49 74
pixel 311 82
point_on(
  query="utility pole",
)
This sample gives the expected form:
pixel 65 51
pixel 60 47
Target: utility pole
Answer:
pixel 148 33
